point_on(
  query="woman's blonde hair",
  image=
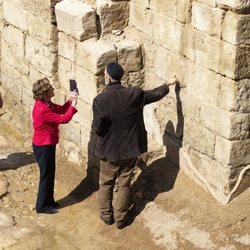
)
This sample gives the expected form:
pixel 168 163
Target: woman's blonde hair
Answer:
pixel 40 88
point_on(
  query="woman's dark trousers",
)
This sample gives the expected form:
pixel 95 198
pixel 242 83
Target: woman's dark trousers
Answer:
pixel 45 157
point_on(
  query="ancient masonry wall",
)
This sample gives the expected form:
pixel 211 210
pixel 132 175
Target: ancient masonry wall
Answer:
pixel 204 127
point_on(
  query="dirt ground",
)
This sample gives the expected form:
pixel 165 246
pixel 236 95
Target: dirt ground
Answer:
pixel 169 210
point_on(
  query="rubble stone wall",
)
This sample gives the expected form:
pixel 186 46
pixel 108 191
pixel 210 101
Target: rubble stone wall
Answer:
pixel 203 126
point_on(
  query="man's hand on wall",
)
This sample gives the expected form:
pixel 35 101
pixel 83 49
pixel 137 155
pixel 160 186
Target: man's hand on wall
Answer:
pixel 173 80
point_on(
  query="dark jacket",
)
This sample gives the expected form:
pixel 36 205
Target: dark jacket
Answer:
pixel 118 123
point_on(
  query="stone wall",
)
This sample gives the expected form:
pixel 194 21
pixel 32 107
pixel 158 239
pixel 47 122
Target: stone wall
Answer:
pixel 204 126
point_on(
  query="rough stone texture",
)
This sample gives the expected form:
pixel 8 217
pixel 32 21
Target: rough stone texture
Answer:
pixel 15 15
pixel 112 15
pixel 6 220
pixel 238 5
pixel 129 55
pixel 76 19
pixel 205 43
pixel 95 55
pixel 207 19
pixel 239 23
pixel 3 188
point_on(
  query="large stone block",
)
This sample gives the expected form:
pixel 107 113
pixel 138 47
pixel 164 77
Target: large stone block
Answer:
pixel 14 38
pixel 15 15
pixel 12 48
pixel 207 19
pixel 207 86
pixel 199 137
pixel 227 59
pixel 236 28
pixel 42 57
pixel 168 32
pixel 167 64
pixel 238 5
pixel 65 72
pixel 216 120
pixel 166 7
pixel 141 19
pixel 87 84
pixel 66 46
pixel 214 175
pixel 11 79
pixel 183 11
pixel 76 19
pixel 240 126
pixel 129 55
pixel 95 55
pixel 41 27
pixel 242 103
pixel 112 15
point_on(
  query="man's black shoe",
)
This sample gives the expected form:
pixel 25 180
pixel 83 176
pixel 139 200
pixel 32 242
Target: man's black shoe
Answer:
pixel 49 211
pixel 56 205
pixel 108 222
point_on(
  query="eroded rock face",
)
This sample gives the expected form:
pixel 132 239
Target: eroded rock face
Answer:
pixel 205 43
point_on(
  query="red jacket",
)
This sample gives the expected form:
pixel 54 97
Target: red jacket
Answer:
pixel 46 118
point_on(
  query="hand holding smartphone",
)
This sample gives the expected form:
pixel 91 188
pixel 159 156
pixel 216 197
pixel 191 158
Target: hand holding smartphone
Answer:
pixel 73 85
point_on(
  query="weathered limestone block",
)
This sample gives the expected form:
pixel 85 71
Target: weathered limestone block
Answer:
pixel 113 15
pixel 226 124
pixel 207 86
pixel 11 80
pixel 3 187
pixel 213 175
pixel 242 62
pixel 129 55
pixel 84 115
pixel 216 119
pixel 141 19
pixel 235 153
pixel 27 95
pixel 167 64
pixel 242 103
pixel 47 33
pixel 12 48
pixel 227 59
pixel 76 19
pixel 87 84
pixel 183 11
pixel 166 7
pixel 199 137
pixel 240 126
pixel 95 55
pixel 66 46
pixel 207 19
pixel 15 15
pixel 42 57
pixel 65 72
pixel 168 32
pixel 72 132
pixel 15 39
pixel 238 5
pixel 236 28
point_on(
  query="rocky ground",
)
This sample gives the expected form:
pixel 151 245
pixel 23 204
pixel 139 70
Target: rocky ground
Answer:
pixel 170 211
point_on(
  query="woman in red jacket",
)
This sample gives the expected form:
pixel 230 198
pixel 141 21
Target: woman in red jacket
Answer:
pixel 46 118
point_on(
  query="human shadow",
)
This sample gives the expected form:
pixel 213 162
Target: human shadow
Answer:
pixel 17 160
pixel 89 184
pixel 160 175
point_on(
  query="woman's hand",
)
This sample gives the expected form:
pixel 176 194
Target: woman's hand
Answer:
pixel 74 96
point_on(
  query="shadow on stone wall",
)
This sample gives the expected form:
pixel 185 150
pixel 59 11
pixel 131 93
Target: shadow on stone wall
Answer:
pixel 160 175
pixel 17 160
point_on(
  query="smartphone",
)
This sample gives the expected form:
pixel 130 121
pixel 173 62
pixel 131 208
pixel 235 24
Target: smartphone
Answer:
pixel 72 85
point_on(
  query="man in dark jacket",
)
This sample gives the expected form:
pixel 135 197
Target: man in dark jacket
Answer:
pixel 120 137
